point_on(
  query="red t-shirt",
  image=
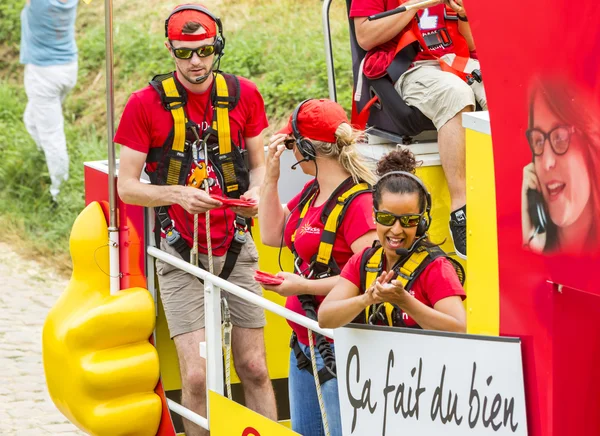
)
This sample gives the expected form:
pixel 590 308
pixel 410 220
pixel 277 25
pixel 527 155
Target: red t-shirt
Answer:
pixel 146 124
pixel 430 20
pixel 436 282
pixel 357 221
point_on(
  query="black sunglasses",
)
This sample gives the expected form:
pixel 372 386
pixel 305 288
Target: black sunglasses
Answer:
pixel 407 220
pixel 559 138
pixel 187 53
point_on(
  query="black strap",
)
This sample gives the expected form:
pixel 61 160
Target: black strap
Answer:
pixel 154 155
pixel 231 259
pixel 304 363
pixel 309 305
pixel 401 62
pixel 181 246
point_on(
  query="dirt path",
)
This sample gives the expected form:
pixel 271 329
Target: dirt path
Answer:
pixel 27 291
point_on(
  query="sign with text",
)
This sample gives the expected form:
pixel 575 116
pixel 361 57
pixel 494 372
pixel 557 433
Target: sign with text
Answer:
pixel 401 381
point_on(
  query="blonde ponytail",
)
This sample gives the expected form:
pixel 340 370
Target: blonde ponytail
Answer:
pixel 345 150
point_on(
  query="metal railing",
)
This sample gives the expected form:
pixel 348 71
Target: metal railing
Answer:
pixel 212 312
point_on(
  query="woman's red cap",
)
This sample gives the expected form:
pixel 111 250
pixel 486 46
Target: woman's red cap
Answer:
pixel 318 120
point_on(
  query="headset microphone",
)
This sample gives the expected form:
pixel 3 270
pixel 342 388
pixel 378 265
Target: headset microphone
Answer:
pixel 402 252
pixel 203 77
pixel 299 162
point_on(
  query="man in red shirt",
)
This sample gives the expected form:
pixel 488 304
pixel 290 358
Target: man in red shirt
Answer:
pixel 195 43
pixel 440 95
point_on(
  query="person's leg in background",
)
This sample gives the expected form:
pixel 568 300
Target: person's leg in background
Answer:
pixel 193 377
pixel 248 341
pixel 443 97
pixel 248 347
pixel 305 411
pixel 182 297
pixel 46 87
pixel 28 119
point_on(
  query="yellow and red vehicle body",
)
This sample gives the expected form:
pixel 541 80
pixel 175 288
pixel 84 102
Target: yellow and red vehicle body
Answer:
pixel 550 301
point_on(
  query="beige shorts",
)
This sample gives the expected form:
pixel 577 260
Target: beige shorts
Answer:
pixel 438 94
pixel 182 294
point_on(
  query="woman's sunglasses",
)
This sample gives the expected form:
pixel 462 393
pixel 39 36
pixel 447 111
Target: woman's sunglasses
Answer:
pixel 187 53
pixel 407 220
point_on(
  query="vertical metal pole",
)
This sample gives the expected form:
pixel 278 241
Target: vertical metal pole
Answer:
pixel 113 230
pixel 214 348
pixel 329 50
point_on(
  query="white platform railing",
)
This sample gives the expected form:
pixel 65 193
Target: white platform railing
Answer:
pixel 212 312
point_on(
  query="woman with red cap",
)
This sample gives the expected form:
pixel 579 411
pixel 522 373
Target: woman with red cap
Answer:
pixel 324 143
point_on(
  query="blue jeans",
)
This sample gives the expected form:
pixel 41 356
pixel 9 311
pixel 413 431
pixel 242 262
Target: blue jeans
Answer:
pixel 304 404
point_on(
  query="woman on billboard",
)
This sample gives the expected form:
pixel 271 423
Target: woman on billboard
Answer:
pixel 560 191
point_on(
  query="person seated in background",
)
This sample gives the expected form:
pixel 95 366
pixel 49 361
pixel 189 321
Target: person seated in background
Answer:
pixel 435 81
pixel 405 280
pixel 324 143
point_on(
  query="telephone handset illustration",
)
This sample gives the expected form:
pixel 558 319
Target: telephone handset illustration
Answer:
pixel 537 211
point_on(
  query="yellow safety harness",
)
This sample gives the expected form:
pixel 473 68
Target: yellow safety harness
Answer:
pixel 323 264
pixel 185 153
pixel 406 271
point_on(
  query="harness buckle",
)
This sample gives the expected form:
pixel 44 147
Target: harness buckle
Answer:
pixel 240 236
pixel 226 322
pixel 240 230
pixel 172 235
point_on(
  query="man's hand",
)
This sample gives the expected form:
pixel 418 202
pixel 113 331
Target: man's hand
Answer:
pixel 251 211
pixel 429 5
pixel 457 6
pixel 196 201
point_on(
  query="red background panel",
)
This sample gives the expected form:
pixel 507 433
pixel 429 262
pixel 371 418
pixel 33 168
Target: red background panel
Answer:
pixel 517 43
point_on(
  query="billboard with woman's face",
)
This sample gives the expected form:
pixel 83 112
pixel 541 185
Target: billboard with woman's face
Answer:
pixel 560 191
pixel 540 62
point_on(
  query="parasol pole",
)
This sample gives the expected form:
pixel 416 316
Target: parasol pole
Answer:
pixel 113 229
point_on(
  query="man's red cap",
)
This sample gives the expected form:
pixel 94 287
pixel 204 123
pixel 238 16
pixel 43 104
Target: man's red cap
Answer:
pixel 318 120
pixel 178 20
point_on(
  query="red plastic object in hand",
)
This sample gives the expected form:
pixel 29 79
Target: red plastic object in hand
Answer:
pixel 266 278
pixel 234 202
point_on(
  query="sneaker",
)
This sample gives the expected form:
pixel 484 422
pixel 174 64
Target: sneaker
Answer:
pixel 458 231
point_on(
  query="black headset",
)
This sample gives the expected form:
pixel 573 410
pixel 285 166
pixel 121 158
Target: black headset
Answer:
pixel 425 222
pixel 305 147
pixel 219 40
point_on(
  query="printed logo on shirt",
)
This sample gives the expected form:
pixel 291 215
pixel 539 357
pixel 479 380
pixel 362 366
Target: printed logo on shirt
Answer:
pixel 428 22
pixel 460 216
pixel 306 229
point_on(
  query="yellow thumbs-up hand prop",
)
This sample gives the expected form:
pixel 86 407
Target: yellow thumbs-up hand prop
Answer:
pixel 101 370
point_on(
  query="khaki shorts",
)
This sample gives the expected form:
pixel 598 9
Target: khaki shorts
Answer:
pixel 182 294
pixel 438 94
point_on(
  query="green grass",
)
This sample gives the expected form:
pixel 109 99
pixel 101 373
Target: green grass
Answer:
pixel 277 44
